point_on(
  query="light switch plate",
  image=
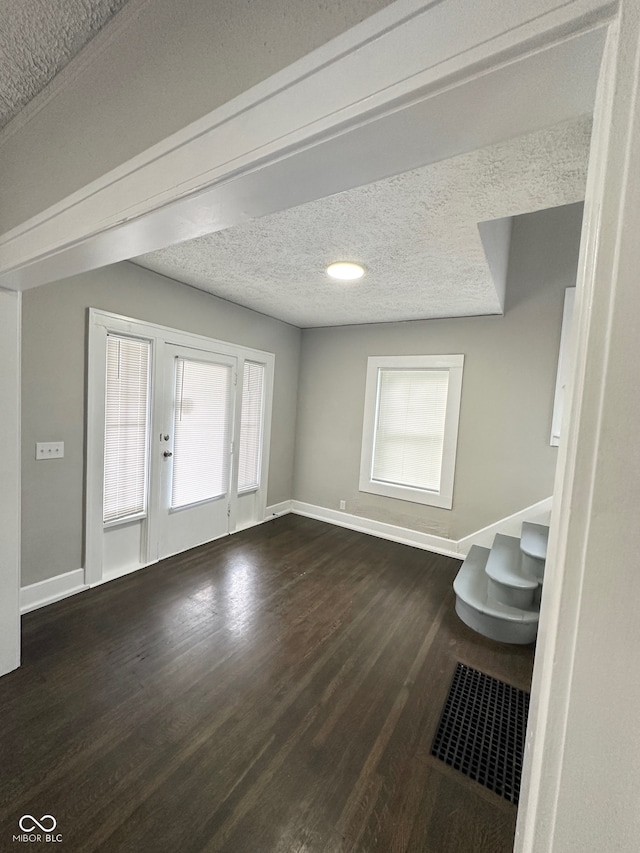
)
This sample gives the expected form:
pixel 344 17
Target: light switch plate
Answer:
pixel 49 450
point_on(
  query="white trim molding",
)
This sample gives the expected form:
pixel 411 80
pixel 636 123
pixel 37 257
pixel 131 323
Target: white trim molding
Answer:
pixel 574 798
pixel 564 366
pixel 39 594
pixel 457 548
pixel 282 508
pixel 381 529
pixel 10 476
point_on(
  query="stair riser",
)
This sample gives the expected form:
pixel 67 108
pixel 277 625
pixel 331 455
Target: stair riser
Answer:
pixel 522 598
pixel 520 633
pixel 532 567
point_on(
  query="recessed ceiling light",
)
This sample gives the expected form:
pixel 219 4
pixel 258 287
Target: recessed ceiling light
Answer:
pixel 345 270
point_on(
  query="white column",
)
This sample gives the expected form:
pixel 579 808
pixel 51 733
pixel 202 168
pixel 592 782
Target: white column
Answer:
pixel 9 481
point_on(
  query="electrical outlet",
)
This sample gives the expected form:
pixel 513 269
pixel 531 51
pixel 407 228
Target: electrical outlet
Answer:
pixel 343 504
pixel 49 450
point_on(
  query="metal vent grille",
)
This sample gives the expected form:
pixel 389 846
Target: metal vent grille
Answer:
pixel 482 730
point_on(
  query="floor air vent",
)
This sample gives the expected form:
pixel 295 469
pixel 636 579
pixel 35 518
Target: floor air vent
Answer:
pixel 482 729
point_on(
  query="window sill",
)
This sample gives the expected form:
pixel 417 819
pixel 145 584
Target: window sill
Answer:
pixel 404 493
pixel 120 522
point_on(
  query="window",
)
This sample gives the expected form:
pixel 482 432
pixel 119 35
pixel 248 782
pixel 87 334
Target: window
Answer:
pixel 126 433
pixel 202 432
pixel 410 430
pixel 250 445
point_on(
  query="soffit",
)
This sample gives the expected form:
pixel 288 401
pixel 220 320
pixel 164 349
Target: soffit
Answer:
pixel 416 234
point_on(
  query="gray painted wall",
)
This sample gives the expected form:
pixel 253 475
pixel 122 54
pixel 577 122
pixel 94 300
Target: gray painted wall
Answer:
pixel 169 64
pixel 504 460
pixel 53 389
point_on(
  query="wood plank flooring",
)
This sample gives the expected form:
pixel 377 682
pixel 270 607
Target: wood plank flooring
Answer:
pixel 276 691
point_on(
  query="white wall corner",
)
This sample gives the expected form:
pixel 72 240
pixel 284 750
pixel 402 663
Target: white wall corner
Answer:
pixel 48 591
pixel 495 236
pixel 282 508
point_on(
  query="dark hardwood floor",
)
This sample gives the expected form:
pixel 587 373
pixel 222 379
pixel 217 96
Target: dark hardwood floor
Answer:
pixel 276 691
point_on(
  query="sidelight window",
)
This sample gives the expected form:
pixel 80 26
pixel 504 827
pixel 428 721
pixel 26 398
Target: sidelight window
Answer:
pixel 250 444
pixel 126 436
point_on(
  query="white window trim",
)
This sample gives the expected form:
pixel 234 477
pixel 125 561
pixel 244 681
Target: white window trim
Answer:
pixel 454 364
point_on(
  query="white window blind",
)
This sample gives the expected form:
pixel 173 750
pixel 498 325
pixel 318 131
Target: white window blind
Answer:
pixel 250 446
pixel 126 433
pixel 410 427
pixel 201 441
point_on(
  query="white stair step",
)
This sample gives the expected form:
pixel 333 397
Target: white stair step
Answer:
pixel 489 617
pixel 534 540
pixel 533 545
pixel 508 584
pixel 503 565
pixel 471 585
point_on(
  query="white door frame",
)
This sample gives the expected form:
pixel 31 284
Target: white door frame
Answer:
pixel 581 771
pixel 101 322
pixel 298 111
pixel 10 305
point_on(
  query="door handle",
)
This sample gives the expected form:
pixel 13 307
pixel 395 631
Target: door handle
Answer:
pixel 167 453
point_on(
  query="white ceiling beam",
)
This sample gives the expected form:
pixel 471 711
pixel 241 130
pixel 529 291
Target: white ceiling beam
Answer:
pixel 309 130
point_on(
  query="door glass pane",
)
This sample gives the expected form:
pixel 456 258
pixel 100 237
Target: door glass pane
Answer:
pixel 126 428
pixel 201 432
pixel 251 427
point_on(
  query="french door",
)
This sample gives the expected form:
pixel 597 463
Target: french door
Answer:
pixel 195 447
pixel 194 415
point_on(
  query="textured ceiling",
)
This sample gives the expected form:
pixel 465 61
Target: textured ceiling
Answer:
pixel 417 235
pixel 38 38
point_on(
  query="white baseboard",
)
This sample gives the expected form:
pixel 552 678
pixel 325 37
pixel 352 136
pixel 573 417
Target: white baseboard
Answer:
pixel 282 508
pixel 404 535
pixel 538 512
pixel 45 592
pixel 121 571
pixel 54 589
